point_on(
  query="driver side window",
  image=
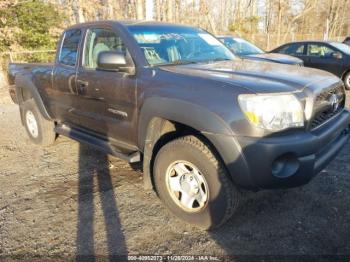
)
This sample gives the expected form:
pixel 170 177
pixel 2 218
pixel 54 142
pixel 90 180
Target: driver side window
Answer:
pixel 99 40
pixel 293 49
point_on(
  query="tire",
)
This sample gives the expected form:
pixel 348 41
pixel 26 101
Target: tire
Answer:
pixel 39 129
pixel 221 195
pixel 347 81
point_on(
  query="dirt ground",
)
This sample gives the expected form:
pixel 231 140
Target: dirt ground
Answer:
pixel 70 199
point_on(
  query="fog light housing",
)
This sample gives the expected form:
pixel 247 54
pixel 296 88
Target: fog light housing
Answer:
pixel 285 166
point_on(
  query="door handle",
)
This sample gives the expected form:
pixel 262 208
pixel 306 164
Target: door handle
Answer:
pixel 82 85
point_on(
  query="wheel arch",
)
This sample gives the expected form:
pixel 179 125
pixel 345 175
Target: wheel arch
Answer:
pixel 175 119
pixel 25 89
pixel 346 71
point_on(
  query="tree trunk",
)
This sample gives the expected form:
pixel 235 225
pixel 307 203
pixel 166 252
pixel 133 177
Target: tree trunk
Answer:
pixel 158 10
pixel 169 10
pixel 193 13
pixel 279 23
pixel 177 11
pixel 78 12
pixel 208 16
pixel 149 9
pixel 139 9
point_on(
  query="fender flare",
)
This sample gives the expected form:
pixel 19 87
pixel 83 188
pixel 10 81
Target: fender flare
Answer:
pixel 185 113
pixel 24 82
pixel 344 73
pixel 179 111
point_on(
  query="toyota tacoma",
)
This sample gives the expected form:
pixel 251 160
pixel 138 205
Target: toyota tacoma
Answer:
pixel 205 124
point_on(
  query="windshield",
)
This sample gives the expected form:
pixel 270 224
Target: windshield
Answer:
pixel 240 46
pixel 166 45
pixel 342 47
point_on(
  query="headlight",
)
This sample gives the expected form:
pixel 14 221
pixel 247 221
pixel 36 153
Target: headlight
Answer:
pixel 273 111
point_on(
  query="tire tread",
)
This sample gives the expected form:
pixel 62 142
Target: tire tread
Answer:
pixel 232 193
pixel 48 136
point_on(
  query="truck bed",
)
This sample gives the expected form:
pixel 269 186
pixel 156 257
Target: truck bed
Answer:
pixel 21 68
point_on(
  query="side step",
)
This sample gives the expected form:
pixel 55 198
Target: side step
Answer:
pixel 98 143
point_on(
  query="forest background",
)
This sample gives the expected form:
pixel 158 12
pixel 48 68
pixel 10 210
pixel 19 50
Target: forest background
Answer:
pixel 29 29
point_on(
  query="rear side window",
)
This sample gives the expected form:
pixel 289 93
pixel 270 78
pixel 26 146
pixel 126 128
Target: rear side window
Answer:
pixel 319 50
pixel 69 50
pixel 293 49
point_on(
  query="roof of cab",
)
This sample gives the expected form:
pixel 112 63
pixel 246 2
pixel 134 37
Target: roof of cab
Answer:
pixel 125 23
pixel 312 42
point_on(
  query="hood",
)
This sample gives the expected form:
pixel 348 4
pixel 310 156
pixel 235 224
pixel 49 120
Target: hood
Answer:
pixel 258 77
pixel 275 57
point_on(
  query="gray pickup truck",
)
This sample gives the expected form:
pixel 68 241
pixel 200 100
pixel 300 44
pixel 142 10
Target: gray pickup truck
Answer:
pixel 205 124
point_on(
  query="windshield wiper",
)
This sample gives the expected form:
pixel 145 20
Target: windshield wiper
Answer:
pixel 178 62
pixel 218 59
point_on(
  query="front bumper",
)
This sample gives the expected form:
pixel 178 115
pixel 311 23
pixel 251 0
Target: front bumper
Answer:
pixel 285 160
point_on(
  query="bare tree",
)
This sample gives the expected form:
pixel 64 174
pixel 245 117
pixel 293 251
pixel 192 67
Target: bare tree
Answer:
pixel 169 10
pixel 139 9
pixel 268 22
pixel 78 12
pixel 149 4
pixel 158 10
pixel 308 7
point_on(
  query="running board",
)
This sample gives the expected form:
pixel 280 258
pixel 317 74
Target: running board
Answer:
pixel 98 143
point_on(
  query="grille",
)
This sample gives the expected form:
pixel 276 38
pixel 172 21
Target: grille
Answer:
pixel 323 108
pixel 323 117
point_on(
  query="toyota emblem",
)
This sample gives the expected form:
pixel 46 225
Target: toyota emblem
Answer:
pixel 334 102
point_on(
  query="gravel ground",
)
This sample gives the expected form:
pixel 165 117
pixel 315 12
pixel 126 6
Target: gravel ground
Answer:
pixel 69 199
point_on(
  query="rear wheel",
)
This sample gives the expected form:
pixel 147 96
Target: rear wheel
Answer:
pixel 347 81
pixel 39 129
pixel 193 183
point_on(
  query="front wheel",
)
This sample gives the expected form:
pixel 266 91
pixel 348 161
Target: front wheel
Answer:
pixel 347 81
pixel 39 129
pixel 193 183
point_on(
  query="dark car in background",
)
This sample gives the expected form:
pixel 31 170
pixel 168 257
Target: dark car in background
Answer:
pixel 347 40
pixel 247 50
pixel 330 56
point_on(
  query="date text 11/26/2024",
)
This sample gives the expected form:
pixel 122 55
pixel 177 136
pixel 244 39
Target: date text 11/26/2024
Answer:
pixel 172 258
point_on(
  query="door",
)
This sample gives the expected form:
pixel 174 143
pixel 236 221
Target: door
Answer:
pixel 321 57
pixel 107 99
pixel 64 97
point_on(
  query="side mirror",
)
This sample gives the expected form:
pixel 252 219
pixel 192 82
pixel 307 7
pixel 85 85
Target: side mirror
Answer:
pixel 337 55
pixel 111 61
